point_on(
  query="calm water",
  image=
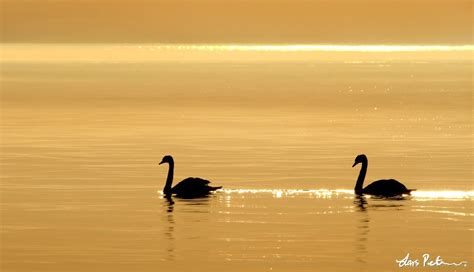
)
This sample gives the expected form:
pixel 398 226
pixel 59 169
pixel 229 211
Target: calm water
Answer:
pixel 81 142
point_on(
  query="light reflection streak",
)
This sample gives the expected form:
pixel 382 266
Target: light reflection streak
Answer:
pixel 309 48
pixel 443 194
pixel 444 212
pixel 136 52
pixel 254 47
pixel 327 193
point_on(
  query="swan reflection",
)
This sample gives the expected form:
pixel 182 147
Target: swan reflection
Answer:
pixel 168 204
pixel 360 202
pixel 363 229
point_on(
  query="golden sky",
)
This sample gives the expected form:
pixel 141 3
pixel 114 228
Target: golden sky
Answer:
pixel 244 21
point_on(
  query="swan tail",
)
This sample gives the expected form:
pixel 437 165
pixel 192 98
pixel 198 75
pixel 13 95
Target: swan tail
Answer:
pixel 410 190
pixel 211 188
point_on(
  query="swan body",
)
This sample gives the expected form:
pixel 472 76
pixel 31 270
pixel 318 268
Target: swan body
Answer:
pixel 187 188
pixel 386 187
pixel 383 187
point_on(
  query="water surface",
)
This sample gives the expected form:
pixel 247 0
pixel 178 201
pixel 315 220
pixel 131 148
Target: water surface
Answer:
pixel 81 142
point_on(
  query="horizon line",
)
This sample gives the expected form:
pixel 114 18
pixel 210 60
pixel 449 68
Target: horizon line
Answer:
pixel 268 47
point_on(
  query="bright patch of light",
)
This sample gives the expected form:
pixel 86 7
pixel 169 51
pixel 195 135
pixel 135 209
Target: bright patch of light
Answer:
pixel 326 193
pixel 250 47
pixel 443 194
pixel 149 52
pixel 279 193
pixel 313 48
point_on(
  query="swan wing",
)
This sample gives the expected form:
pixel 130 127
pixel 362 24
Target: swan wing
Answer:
pixel 386 187
pixel 192 187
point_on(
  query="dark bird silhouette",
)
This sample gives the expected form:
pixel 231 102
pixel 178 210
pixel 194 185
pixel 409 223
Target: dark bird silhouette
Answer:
pixel 383 187
pixel 187 188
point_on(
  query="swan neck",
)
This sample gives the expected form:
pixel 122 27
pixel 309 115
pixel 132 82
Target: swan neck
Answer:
pixel 360 180
pixel 169 179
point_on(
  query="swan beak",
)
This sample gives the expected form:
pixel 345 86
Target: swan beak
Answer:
pixel 355 163
pixel 161 162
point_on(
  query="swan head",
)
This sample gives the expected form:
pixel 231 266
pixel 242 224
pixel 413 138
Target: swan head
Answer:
pixel 360 159
pixel 167 159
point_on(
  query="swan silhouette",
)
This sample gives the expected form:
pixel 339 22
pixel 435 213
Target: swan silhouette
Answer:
pixel 187 188
pixel 383 187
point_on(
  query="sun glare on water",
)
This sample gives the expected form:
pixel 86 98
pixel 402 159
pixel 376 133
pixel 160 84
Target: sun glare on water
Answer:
pixel 23 52
pixel 315 48
pixel 345 193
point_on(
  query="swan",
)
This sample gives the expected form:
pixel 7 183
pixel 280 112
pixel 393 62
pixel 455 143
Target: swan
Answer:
pixel 383 187
pixel 187 188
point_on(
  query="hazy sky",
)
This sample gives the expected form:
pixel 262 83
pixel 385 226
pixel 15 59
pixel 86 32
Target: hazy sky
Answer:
pixel 245 21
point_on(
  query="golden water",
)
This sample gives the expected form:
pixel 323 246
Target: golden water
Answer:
pixel 81 143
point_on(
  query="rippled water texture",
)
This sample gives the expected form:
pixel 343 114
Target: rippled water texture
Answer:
pixel 81 143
